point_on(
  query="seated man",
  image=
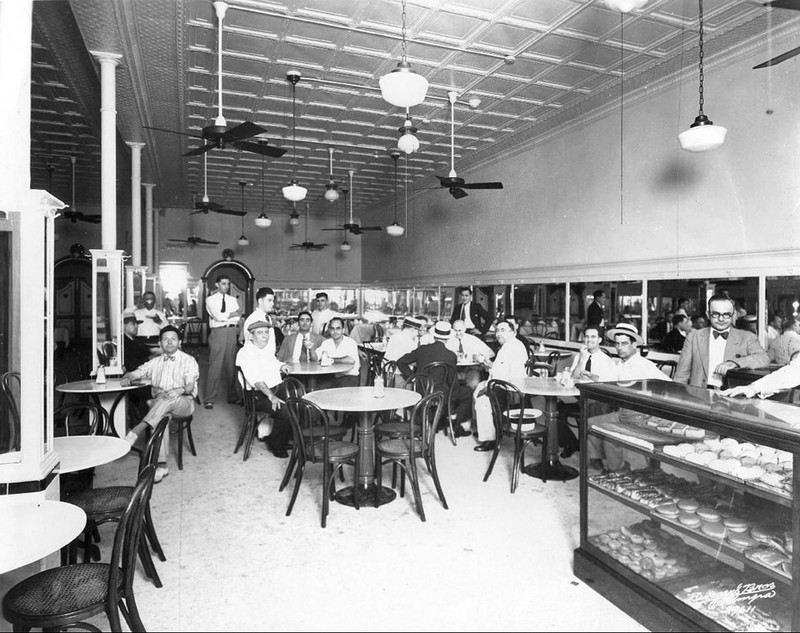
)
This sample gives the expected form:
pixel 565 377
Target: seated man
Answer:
pixel 135 354
pixel 468 347
pixel 676 337
pixel 262 372
pixel 298 345
pixel 402 342
pixel 173 382
pixel 418 359
pixel 342 349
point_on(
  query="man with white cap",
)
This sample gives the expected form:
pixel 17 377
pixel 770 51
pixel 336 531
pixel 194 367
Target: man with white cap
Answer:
pixel 418 359
pixel 262 373
pixel 401 343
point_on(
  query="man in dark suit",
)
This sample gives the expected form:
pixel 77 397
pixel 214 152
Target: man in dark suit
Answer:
pixel 292 349
pixel 473 314
pixel 676 337
pixel 595 313
pixel 709 354
pixel 417 359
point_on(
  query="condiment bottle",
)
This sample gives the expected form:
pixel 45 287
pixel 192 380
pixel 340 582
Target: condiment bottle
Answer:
pixel 378 389
pixel 101 375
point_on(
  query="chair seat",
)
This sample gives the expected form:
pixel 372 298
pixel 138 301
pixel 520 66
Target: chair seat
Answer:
pixel 60 590
pixel 318 432
pixel 399 429
pixel 528 429
pixel 399 447
pixel 110 499
pixel 337 451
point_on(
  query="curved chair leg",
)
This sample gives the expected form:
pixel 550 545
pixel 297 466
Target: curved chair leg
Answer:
pixel 244 431
pixel 248 441
pixel 150 531
pixel 431 463
pixel 180 444
pixel 328 479
pixel 494 459
pixel 147 562
pixel 289 468
pixel 298 478
pixel 133 618
pixel 190 437
pixel 516 466
pixel 413 481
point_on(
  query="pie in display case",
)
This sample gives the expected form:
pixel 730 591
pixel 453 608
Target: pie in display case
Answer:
pixel 696 531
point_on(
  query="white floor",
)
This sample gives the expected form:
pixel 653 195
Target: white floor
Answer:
pixel 492 562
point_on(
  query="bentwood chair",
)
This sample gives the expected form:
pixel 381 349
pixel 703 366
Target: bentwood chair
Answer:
pixel 417 442
pixel 63 597
pixel 445 378
pixel 107 504
pixel 512 419
pixel 312 437
pixel 79 418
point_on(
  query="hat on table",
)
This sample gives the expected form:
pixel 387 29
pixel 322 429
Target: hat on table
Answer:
pixel 414 322
pixel 256 325
pixel 625 328
pixel 442 329
pixel 129 315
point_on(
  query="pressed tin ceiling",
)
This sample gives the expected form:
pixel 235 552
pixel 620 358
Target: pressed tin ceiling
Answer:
pixel 538 67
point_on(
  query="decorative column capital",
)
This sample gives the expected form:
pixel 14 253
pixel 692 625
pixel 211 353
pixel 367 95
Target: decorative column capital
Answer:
pixel 107 58
pixel 135 145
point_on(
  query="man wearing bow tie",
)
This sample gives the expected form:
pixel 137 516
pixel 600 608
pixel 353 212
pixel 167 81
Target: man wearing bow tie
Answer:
pixel 173 382
pixel 710 353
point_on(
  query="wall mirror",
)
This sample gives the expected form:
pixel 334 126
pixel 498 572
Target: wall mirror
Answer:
pixel 107 311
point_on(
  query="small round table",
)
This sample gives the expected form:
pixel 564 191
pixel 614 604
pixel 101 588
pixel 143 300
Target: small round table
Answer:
pixel 552 390
pixel 363 401
pixel 33 529
pixel 312 369
pixel 79 452
pixel 108 395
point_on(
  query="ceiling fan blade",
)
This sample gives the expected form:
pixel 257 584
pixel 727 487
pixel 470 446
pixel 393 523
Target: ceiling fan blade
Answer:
pixel 93 219
pixel 458 193
pixel 784 4
pixel 370 228
pixel 318 247
pixel 207 206
pixel 199 211
pixel 200 150
pixel 161 129
pixel 242 131
pixel 447 182
pixel 200 240
pixel 230 212
pixel 336 229
pixel 265 150
pixel 172 239
pixel 780 58
pixel 482 185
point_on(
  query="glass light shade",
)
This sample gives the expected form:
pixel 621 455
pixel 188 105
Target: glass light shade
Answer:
pixel 263 221
pixel 243 241
pixel 345 246
pixel 395 230
pixel 625 6
pixel 331 195
pixel 702 136
pixel 403 87
pixel 408 143
pixel 294 192
pixel 293 219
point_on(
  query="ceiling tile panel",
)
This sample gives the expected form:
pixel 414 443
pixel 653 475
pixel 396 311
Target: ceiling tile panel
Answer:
pixel 542 12
pixel 505 37
pixel 592 23
pixel 555 47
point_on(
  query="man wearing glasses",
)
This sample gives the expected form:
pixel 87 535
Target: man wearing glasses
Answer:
pixel 710 353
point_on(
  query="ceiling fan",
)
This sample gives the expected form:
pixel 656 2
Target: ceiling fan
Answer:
pixel 306 244
pixel 794 5
pixel 71 213
pixel 219 135
pixel 205 205
pixel 351 226
pixel 455 184
pixel 193 239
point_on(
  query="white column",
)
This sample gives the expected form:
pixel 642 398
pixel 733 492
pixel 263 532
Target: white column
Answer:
pixel 108 148
pixel 148 224
pixel 136 203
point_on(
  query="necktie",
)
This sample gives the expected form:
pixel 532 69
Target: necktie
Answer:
pixel 303 350
pixel 724 335
pixel 463 311
pixel 168 358
pixel 222 309
pixel 588 364
pixel 460 347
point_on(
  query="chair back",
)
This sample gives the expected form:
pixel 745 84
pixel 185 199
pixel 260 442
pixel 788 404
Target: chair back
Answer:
pixel 541 369
pixel 421 383
pixel 424 420
pixel 149 456
pixel 10 387
pixel 553 358
pixel 293 388
pixel 378 332
pixel 667 366
pixel 540 329
pixel 81 418
pixel 508 406
pixel 444 376
pixel 306 415
pixel 127 541
pixel 389 371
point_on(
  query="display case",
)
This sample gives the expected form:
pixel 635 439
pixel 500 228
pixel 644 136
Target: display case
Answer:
pixel 698 533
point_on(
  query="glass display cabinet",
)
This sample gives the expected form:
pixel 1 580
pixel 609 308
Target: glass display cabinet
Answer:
pixel 698 534
pixel 27 458
pixel 107 311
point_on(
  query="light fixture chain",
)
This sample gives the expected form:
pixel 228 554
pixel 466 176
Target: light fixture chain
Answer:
pixel 701 57
pixel 404 30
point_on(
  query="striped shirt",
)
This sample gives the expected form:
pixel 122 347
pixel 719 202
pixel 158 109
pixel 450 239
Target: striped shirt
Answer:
pixel 168 372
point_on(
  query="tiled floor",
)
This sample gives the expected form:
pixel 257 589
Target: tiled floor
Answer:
pixel 493 561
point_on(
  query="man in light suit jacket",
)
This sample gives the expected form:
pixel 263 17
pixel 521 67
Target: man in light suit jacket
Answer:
pixel 292 346
pixel 472 313
pixel 710 353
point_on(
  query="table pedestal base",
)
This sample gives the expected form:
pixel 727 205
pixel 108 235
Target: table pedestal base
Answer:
pixel 366 496
pixel 552 469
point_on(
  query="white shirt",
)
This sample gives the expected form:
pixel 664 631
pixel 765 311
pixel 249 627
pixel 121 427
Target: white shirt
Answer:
pixel 347 347
pixel 402 343
pixel 784 378
pixel 259 365
pixel 510 361
pixel 716 355
pixel 320 318
pixel 603 366
pixel 259 315
pixel 167 372
pixel 638 368
pixel 465 317
pixel 218 318
pixel 471 344
pixel 148 327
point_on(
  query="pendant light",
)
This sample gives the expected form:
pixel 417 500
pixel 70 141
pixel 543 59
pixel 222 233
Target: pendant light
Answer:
pixel 408 143
pixel 403 87
pixel 243 241
pixel 395 229
pixel 263 221
pixel 702 135
pixel 294 219
pixel 625 6
pixel 293 191
pixel 331 194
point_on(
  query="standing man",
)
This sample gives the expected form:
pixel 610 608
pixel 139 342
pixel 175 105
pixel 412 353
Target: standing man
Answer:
pixel 265 305
pixel 472 313
pixel 674 340
pixel 299 345
pixel 223 317
pixel 595 313
pixel 322 315
pixel 710 353
pixel 262 372
pixel 150 320
pixel 468 347
pixel 173 382
pixel 508 365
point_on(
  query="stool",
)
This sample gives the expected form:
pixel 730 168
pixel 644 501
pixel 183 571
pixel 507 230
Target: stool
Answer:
pixel 184 423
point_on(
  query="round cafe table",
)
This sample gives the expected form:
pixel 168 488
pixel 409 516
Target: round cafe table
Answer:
pixel 34 529
pixel 79 452
pixel 312 369
pixel 363 401
pixel 108 395
pixel 552 390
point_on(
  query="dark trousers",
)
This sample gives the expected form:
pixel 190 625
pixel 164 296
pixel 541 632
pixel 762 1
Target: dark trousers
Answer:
pixel 566 438
pixel 281 427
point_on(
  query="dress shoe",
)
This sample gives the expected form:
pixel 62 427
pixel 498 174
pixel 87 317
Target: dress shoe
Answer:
pixel 208 405
pixel 569 450
pixel 484 446
pixel 460 431
pixel 161 472
pixel 281 453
